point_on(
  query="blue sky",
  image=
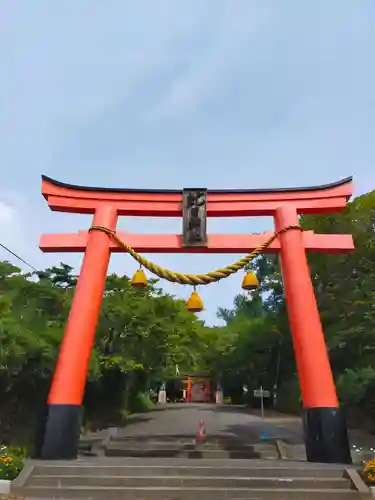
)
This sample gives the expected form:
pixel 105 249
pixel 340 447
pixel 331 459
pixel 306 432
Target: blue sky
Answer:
pixel 166 94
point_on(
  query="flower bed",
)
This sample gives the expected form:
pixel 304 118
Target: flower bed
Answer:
pixel 11 462
pixel 369 474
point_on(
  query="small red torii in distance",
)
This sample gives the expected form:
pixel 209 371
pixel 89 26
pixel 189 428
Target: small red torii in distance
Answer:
pixel 325 430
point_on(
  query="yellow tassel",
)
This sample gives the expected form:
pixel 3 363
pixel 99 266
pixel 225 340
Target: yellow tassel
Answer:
pixel 195 304
pixel 250 281
pixel 139 279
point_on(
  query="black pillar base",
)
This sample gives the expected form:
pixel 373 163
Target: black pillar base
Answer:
pixel 326 436
pixel 36 451
pixel 62 428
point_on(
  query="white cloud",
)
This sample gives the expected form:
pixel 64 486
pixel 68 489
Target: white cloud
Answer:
pixel 16 230
pixel 8 215
pixel 11 229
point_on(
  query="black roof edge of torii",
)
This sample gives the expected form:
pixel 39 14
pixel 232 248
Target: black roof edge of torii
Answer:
pixel 341 182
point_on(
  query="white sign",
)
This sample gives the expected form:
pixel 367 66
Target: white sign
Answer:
pixel 261 393
pixel 258 393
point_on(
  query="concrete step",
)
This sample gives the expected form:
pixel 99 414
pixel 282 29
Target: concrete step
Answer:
pixel 202 493
pixel 172 438
pixel 173 462
pixel 178 452
pixel 187 447
pixel 192 443
pixel 187 479
pixel 187 470
pixel 207 449
pixel 209 440
pixel 215 482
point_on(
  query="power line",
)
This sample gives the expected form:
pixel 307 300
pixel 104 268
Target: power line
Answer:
pixel 19 258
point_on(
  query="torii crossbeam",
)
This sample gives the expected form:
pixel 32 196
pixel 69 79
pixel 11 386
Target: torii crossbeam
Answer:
pixel 325 429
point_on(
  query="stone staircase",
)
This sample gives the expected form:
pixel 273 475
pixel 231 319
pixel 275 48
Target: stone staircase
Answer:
pixel 113 478
pixel 177 467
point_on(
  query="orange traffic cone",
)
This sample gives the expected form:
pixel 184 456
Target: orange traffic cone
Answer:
pixel 201 435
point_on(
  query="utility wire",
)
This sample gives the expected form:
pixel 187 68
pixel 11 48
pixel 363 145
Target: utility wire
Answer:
pixel 18 257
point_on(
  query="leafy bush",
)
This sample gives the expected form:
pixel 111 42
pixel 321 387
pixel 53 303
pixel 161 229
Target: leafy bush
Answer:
pixel 11 462
pixel 289 396
pixel 141 403
pixel 355 387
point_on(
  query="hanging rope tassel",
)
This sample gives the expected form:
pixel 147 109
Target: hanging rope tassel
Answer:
pixel 195 304
pixel 139 279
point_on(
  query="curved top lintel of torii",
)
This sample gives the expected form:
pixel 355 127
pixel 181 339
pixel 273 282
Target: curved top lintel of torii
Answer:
pixel 326 198
pixel 346 181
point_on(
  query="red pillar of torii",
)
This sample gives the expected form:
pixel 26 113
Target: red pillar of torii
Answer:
pixel 325 429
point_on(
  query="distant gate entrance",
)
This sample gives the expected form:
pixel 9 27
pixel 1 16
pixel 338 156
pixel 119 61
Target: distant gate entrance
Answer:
pixel 191 389
pixel 199 389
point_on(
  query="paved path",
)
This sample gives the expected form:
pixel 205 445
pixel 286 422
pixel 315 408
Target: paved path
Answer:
pixel 183 419
pixel 236 421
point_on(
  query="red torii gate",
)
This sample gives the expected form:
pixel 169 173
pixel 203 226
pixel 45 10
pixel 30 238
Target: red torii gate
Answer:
pixel 325 429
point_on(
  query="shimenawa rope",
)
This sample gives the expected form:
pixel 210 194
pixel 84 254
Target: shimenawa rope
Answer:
pixel 193 279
